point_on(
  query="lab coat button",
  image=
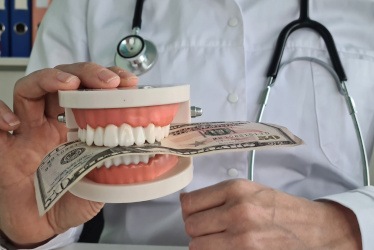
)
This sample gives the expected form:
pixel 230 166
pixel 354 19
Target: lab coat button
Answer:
pixel 233 98
pixel 233 22
pixel 233 172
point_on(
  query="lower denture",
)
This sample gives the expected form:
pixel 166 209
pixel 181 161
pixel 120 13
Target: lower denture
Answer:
pixel 133 173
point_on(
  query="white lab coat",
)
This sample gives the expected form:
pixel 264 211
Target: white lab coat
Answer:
pixel 222 48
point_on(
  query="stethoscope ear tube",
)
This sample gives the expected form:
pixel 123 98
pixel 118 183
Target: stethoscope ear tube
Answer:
pixel 324 33
pixel 305 22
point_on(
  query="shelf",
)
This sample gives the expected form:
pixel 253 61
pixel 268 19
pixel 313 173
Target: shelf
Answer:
pixel 13 63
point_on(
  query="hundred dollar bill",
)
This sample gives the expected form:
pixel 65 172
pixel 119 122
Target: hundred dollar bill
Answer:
pixel 70 162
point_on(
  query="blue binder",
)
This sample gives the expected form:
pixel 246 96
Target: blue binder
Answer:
pixel 4 29
pixel 20 31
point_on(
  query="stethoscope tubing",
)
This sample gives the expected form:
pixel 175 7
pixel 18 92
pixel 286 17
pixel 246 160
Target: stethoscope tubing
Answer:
pixel 341 85
pixel 137 18
pixel 337 72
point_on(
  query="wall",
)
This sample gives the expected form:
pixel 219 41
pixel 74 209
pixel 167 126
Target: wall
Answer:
pixel 11 69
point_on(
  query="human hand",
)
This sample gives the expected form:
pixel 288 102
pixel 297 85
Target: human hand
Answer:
pixel 36 131
pixel 239 214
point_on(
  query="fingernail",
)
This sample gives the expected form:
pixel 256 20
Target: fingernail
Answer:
pixel 65 77
pixel 107 76
pixel 11 119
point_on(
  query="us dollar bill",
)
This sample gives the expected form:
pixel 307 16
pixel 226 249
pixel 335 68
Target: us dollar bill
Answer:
pixel 70 162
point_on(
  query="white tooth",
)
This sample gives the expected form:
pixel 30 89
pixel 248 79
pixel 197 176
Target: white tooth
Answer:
pixel 139 135
pixel 162 133
pixel 108 163
pixel 84 134
pixel 150 133
pixel 117 161
pixel 166 130
pixel 144 158
pixel 136 159
pixel 158 133
pixel 125 135
pixel 111 136
pixel 89 135
pixel 126 160
pixel 98 136
pixel 81 135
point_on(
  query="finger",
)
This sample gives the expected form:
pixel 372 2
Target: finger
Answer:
pixel 8 120
pixel 127 78
pixel 92 75
pixel 202 199
pixel 29 93
pixel 52 107
pixel 39 83
pixel 207 222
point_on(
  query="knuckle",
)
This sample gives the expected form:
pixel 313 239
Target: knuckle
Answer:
pixel 237 185
pixel 188 226
pixel 185 202
pixel 241 212
pixel 236 190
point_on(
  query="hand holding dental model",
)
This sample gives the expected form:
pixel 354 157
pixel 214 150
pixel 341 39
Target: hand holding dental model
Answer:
pixel 36 132
pixel 241 214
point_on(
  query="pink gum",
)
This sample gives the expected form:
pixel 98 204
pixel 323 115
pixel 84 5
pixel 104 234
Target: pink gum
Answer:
pixel 160 115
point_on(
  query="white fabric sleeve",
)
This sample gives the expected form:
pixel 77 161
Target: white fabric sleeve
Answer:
pixel 361 202
pixel 66 238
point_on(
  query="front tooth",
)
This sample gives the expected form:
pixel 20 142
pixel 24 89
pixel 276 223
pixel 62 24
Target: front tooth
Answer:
pixel 136 159
pixel 144 158
pixel 89 135
pixel 111 136
pixel 125 135
pixel 117 161
pixel 126 160
pixel 108 163
pixel 98 136
pixel 150 133
pixel 139 135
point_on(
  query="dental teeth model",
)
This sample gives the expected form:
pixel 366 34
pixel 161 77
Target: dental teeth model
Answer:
pixel 125 117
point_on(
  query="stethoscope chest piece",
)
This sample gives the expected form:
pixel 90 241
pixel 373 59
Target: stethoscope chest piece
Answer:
pixel 135 54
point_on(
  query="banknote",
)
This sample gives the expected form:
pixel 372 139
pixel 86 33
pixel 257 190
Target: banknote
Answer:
pixel 70 162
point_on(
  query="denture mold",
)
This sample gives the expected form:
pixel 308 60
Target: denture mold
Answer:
pixel 124 117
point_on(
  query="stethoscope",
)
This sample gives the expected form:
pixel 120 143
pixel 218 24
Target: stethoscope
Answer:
pixel 138 56
pixel 337 72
